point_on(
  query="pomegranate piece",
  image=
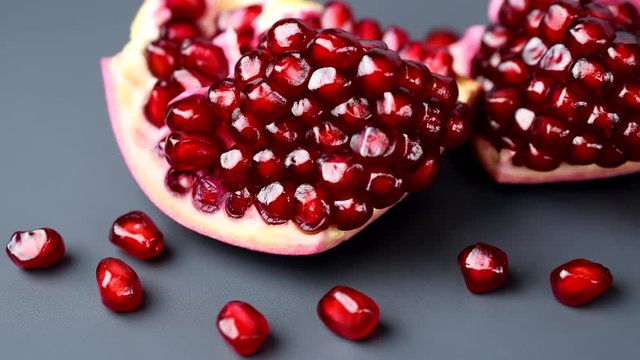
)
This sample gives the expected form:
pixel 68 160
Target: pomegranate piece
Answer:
pixel 243 327
pixel 579 282
pixel 137 235
pixel 186 9
pixel 119 286
pixel 484 267
pixel 36 249
pixel 349 313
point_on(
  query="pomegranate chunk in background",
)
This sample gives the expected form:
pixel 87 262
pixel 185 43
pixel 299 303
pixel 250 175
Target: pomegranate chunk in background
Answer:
pixel 36 249
pixel 243 327
pixel 579 282
pixel 484 267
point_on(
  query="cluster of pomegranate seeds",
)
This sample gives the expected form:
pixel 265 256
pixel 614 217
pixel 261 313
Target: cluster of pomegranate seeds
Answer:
pixel 563 82
pixel 243 327
pixel 484 267
pixel 317 127
pixel 349 313
pixel 579 282
pixel 36 249
pixel 137 235
pixel 119 286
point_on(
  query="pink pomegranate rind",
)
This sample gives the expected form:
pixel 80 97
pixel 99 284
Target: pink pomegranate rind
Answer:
pixel 499 163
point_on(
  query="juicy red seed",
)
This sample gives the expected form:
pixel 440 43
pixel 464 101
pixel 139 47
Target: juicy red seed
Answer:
pixel 288 35
pixel 440 61
pixel 330 85
pixel 533 20
pixel 205 58
pixel 430 119
pixel 378 72
pixel 186 9
pixel 119 286
pixel 625 15
pixel 513 12
pixel 579 282
pixel 589 36
pixel 383 188
pixel 335 48
pixel 494 38
pixel 308 111
pixel 407 151
pixel 551 135
pixel 267 167
pixel 611 156
pixel 628 97
pixel 458 128
pixel 539 161
pixel 349 313
pixel 340 174
pixel 234 167
pixel 36 249
pixel 285 134
pixel 353 114
pixel 533 51
pixel 313 211
pixel 415 76
pixel 251 66
pixel 556 21
pixel 246 128
pixel 395 109
pixel 351 214
pixel 484 267
pixel 592 74
pixel 373 44
pixel 224 99
pixel 623 57
pixel 179 31
pixel 368 29
pixel 275 203
pixel 395 38
pixel 536 92
pixel 502 103
pixel 137 235
pixel 161 94
pixel 603 121
pixel 163 58
pixel 445 90
pixel 327 136
pixel 239 18
pixel 599 11
pixel 413 51
pixel 425 175
pixel 439 38
pixel 300 164
pixel 370 143
pixel 631 139
pixel 584 150
pixel 261 100
pixel 288 73
pixel 188 152
pixel 191 114
pixel 238 203
pixel 556 61
pixel 243 327
pixel 567 103
pixel 337 15
pixel 179 182
pixel 208 193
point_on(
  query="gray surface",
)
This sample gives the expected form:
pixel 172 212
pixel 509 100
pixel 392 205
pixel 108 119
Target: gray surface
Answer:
pixel 61 168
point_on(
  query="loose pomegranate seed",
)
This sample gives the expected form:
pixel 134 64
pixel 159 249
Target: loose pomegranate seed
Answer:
pixel 137 235
pixel 579 282
pixel 243 327
pixel 36 249
pixel 161 94
pixel 349 313
pixel 119 285
pixel 484 267
pixel 186 9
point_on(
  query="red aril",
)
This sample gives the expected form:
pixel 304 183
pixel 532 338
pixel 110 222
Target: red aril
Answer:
pixel 349 313
pixel 579 282
pixel 137 235
pixel 243 327
pixel 36 249
pixel 119 286
pixel 484 267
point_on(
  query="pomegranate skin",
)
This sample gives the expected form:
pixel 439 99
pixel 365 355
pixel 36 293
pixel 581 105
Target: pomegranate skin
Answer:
pixel 36 249
pixel 243 327
pixel 349 313
pixel 119 286
pixel 484 267
pixel 137 235
pixel 579 282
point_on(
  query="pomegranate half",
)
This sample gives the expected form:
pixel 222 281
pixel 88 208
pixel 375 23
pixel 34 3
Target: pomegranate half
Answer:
pixel 137 113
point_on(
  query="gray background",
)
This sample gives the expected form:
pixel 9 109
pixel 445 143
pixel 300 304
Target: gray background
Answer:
pixel 61 168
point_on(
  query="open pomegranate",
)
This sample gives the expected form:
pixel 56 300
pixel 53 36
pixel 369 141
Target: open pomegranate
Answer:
pixel 562 90
pixel 314 135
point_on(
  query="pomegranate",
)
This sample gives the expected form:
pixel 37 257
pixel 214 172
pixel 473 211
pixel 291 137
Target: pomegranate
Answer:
pixel 579 282
pixel 119 286
pixel 243 327
pixel 484 267
pixel 36 249
pixel 136 234
pixel 562 95
pixel 349 313
pixel 314 135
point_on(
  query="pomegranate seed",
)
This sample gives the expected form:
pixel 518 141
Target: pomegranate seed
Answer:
pixel 340 174
pixel 274 202
pixel 187 152
pixel 179 182
pixel 36 249
pixel 207 194
pixel 378 71
pixel 251 66
pixel 137 235
pixel 285 134
pixel 327 136
pixel 330 85
pixel 353 114
pixel 205 58
pixel 584 150
pixel 444 89
pixel 312 212
pixel 351 214
pixel 267 166
pixel 579 282
pixel 457 130
pixel 238 203
pixel 262 101
pixel 631 139
pixel 161 94
pixel 484 267
pixel 349 313
pixel 425 175
pixel 539 161
pixel 395 109
pixel 308 111
pixel 556 21
pixel 243 327
pixel 179 31
pixel 383 188
pixel 371 143
pixel 430 121
pixel 186 9
pixel 413 51
pixel 300 163
pixel 440 61
pixel 163 58
pixel 335 48
pixel 395 38
pixel 611 156
pixel 119 285
pixel 439 38
pixel 224 98
pixel 625 15
pixel 246 128
pixel 234 166
pixel 288 73
pixel 513 12
pixel 415 76
pixel 337 15
pixel 589 36
pixel 368 29
pixel 556 61
pixel 191 114
pixel 288 35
